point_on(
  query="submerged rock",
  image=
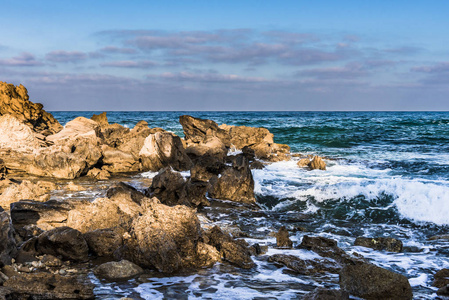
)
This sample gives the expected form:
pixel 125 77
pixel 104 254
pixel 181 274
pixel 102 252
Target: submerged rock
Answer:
pixel 381 243
pixel 371 282
pixel 321 293
pixel 441 278
pixel 306 266
pixel 118 270
pixel 328 248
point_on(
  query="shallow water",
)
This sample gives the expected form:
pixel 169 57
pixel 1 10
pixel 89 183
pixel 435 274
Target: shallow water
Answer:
pixel 387 175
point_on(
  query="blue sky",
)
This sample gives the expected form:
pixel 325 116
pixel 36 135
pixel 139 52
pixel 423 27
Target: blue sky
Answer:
pixel 228 55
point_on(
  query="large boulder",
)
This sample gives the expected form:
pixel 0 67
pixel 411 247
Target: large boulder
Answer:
pixel 199 130
pixel 167 239
pixel 317 163
pixel 117 161
pixel 242 136
pixel 371 282
pixel 49 286
pixel 380 243
pixel 441 278
pixel 26 190
pixel 64 241
pixel 103 242
pixel 163 149
pixel 80 126
pixel 211 146
pixel 167 186
pixel 14 100
pixel 8 247
pixel 235 183
pixel 16 135
pixel 118 270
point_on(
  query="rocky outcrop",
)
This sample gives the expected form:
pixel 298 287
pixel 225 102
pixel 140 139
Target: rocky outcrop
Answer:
pixel 65 242
pixel 14 100
pixel 167 186
pixel 328 248
pixel 306 266
pixel 8 248
pixel 118 270
pixel 380 243
pixel 235 183
pixel 164 149
pixel 283 239
pixel 17 136
pixel 103 242
pixel 167 239
pixel 26 190
pixel 49 286
pixel 199 130
pixel 236 252
pixel 101 119
pixel 371 282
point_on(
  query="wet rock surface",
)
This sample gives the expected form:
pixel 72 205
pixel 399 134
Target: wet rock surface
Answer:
pixel 8 247
pixel 282 238
pixel 118 270
pixel 381 243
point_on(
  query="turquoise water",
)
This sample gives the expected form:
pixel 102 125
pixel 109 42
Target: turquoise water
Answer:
pixel 387 175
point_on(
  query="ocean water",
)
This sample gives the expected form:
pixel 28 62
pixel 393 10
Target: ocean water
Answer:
pixel 387 175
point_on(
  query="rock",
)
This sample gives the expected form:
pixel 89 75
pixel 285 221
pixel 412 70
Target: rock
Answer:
pixel 321 293
pixel 26 190
pixel 205 168
pixel 98 174
pixel 327 248
pixel 74 187
pixel 441 278
pixel 443 291
pixel 117 161
pixel 303 162
pixel 126 192
pixel 44 215
pixel 103 213
pixel 14 100
pixel 103 242
pixel 3 278
pixel 198 130
pixel 113 134
pixel 8 249
pixel 257 165
pixel 439 237
pixel 282 238
pixel 65 242
pixel 9 271
pixel 236 183
pixel 194 194
pixel 164 149
pixel 16 135
pixel 242 136
pixel 306 266
pixel 381 243
pixel 165 238
pixel 167 186
pixel 317 163
pixel 3 170
pixel 77 127
pixel 118 270
pixel 50 286
pixel 211 146
pixel 371 282
pixel 51 261
pixel 101 119
pixel 234 251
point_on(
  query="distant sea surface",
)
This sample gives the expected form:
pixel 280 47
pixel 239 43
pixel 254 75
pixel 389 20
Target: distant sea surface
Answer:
pixel 387 175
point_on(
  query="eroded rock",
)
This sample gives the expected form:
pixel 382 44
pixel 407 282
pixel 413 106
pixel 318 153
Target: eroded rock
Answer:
pixel 283 239
pixel 26 190
pixel 380 243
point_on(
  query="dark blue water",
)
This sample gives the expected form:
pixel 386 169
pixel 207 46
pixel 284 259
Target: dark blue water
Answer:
pixel 387 175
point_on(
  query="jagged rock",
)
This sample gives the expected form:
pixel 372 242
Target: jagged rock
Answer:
pixel 51 261
pixel 77 127
pixel 164 149
pixel 380 243
pixel 211 146
pixel 118 270
pixel 26 190
pixel 371 282
pixel 205 168
pixel 242 136
pixel 103 213
pixel 49 286
pixel 317 163
pixel 101 119
pixel 234 251
pixel 98 174
pixel 8 248
pixel 327 248
pixel 271 152
pixel 282 238
pixel 44 215
pixel 235 183
pixel 194 193
pixel 167 186
pixel 125 191
pixel 165 238
pixel 321 293
pixel 3 170
pixel 116 161
pixel 257 165
pixel 103 242
pixel 303 162
pixel 198 130
pixel 17 136
pixel 14 100
pixel 306 266
pixel 65 242
pixel 441 278
pixel 113 134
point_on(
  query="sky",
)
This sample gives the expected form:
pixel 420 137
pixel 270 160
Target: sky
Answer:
pixel 320 55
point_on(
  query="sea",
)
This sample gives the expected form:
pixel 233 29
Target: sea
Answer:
pixel 387 176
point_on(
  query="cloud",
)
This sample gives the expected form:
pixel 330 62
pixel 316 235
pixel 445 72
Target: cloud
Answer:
pixel 63 56
pixel 441 67
pixel 25 59
pixel 118 50
pixel 209 77
pixel 130 64
pixel 404 50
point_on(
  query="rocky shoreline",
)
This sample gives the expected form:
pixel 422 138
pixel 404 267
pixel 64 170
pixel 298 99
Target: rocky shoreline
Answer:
pixel 49 248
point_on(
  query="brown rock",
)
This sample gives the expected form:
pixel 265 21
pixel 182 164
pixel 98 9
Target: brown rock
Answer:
pixel 317 163
pixel 98 174
pixel 51 261
pixel 306 266
pixel 198 130
pixel 65 242
pixel 441 278
pixel 17 136
pixel 282 238
pixel 14 100
pixel 321 293
pixel 167 186
pixel 113 134
pixel 8 247
pixel 101 119
pixel 125 192
pixel 205 168
pixel 380 243
pixel 3 171
pixel 75 128
pixel 303 162
pixel 242 136
pixel 443 291
pixel 117 161
pixel 118 270
pixel 49 286
pixel 103 242
pixel 236 183
pixel 26 190
pixel 371 282
pixel 164 149
pixel 211 146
